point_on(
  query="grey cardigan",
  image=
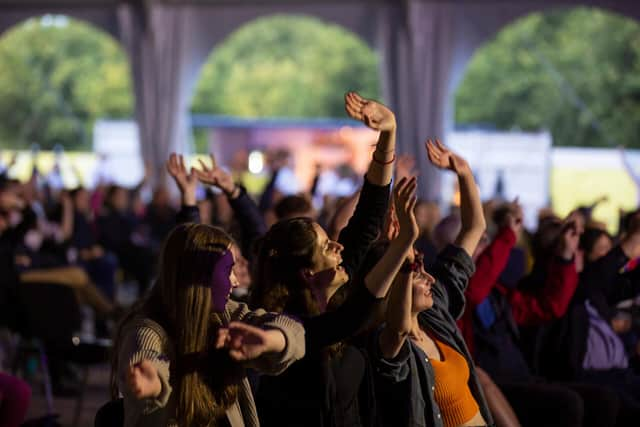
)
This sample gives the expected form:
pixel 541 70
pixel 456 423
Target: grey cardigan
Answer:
pixel 452 270
pixel 146 339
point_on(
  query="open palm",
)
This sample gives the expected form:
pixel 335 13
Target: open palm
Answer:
pixel 215 176
pixel 404 198
pixel 443 158
pixel 373 114
pixel 186 181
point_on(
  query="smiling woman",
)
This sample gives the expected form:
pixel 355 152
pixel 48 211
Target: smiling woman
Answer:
pixel 302 272
pixel 177 352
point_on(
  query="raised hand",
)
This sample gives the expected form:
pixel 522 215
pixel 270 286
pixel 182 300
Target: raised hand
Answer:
pixel 246 342
pixel 143 380
pixel 373 114
pixel 514 217
pixel 391 224
pixel 404 199
pixel 215 176
pixel 443 158
pixel 187 182
pixel 569 241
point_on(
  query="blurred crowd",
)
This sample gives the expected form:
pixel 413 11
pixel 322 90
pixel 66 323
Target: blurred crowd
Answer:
pixel 546 307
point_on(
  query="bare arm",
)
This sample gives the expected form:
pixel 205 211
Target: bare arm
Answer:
pixel 398 316
pixel 187 182
pixel 379 279
pixel 473 223
pixel 377 117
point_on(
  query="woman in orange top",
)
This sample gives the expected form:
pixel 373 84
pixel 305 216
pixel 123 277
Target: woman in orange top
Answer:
pixel 424 372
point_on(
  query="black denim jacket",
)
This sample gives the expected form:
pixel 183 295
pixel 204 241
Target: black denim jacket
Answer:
pixel 416 404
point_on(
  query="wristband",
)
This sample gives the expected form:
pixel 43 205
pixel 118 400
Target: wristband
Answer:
pixel 393 159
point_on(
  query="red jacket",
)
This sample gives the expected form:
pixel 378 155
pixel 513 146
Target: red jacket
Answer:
pixel 548 302
pixel 489 265
pixel 528 308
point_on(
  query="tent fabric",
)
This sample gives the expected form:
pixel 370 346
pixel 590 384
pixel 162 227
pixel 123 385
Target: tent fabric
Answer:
pixel 424 47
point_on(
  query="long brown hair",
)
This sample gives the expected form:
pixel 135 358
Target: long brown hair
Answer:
pixel 285 250
pixel 204 380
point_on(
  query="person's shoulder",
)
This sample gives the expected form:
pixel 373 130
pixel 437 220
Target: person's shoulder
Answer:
pixel 235 310
pixel 140 326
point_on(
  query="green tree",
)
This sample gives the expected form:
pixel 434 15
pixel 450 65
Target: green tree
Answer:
pixel 573 72
pixel 286 66
pixel 57 76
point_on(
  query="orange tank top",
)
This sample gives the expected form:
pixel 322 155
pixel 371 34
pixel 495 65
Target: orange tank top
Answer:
pixel 452 393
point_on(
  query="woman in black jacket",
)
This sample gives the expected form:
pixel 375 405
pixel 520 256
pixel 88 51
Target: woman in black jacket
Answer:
pixel 301 272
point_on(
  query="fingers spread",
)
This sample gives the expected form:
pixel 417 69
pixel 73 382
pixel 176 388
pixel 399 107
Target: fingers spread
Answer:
pixel 440 145
pixel 399 186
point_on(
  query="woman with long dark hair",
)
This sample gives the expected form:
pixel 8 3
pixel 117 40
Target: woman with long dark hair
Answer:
pixel 181 352
pixel 302 272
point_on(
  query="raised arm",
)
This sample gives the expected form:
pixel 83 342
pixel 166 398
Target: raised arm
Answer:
pixel 473 223
pixel 187 181
pixel 379 279
pixel 377 117
pixel 187 184
pixel 365 224
pixel 398 315
pixel 561 279
pixel 244 208
pixel 493 260
pixel 334 326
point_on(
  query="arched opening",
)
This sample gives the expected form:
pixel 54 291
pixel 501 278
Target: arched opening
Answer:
pixel 563 78
pixel 278 82
pixel 59 77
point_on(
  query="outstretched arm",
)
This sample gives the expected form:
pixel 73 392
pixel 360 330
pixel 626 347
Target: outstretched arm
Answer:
pixel 552 301
pixel 493 260
pixel 186 181
pixel 367 220
pixel 473 223
pixel 187 184
pixel 244 208
pixel 398 315
pixel 377 117
pixel 336 325
pixel 379 279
